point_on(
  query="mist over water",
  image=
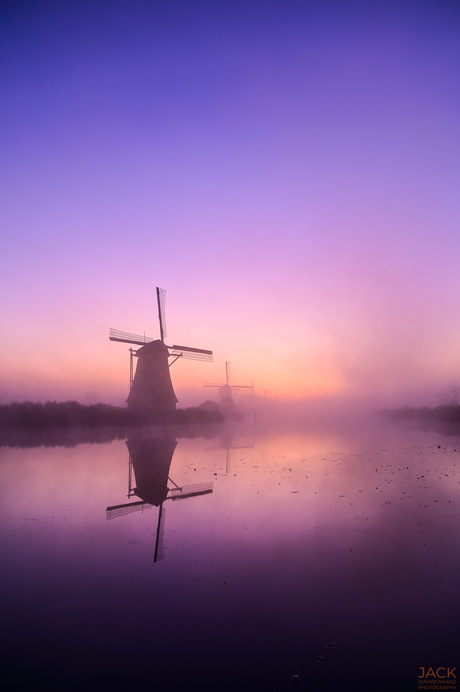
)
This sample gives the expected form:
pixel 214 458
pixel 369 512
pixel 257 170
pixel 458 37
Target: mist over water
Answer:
pixel 324 550
pixel 288 171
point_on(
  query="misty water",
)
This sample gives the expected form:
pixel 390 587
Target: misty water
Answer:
pixel 323 557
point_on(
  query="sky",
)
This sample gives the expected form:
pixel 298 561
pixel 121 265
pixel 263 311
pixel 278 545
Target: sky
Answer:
pixel 287 170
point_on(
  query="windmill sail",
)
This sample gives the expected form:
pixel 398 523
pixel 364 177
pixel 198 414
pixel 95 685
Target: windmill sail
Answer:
pixel 227 385
pixel 185 351
pixel 190 353
pixel 127 338
pixel 128 508
pixel 161 300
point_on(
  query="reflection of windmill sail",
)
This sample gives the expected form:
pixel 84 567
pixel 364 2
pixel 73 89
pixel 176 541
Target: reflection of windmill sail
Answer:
pixel 159 544
pixel 127 508
pixel 150 458
pixel 151 390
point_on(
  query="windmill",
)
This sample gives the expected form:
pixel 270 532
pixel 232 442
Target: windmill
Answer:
pixel 226 390
pixel 151 390
pixel 150 459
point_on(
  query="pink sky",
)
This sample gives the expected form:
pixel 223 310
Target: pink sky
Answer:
pixel 287 172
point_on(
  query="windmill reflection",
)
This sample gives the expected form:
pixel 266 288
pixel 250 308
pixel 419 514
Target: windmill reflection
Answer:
pixel 226 441
pixel 149 467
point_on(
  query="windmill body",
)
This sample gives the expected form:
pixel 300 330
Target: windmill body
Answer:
pixel 226 396
pixel 151 390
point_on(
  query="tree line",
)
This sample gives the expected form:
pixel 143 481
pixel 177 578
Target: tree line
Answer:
pixel 30 414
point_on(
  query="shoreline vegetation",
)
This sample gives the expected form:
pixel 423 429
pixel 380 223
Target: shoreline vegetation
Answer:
pixel 68 423
pixel 444 418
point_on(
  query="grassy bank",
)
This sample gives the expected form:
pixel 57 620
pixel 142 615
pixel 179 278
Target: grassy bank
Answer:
pixel 68 423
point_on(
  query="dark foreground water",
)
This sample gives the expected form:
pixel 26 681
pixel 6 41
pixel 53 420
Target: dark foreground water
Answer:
pixel 320 559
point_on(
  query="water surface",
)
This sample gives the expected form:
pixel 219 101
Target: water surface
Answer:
pixel 328 553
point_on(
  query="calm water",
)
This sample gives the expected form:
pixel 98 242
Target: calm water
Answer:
pixel 324 553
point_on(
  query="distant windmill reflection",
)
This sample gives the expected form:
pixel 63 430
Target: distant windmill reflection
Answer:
pixel 150 459
pixel 226 442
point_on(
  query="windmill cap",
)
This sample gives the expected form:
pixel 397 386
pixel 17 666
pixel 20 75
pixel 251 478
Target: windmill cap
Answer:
pixel 152 349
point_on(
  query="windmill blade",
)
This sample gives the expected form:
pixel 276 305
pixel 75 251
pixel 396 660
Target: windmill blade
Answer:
pixel 235 386
pixel 161 300
pixel 159 544
pixel 227 381
pixel 190 353
pixel 190 491
pixel 127 508
pixel 127 338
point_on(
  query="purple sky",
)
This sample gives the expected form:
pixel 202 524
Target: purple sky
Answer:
pixel 288 171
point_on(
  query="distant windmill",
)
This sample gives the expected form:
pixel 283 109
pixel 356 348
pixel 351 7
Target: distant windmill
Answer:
pixel 150 458
pixel 151 389
pixel 226 390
